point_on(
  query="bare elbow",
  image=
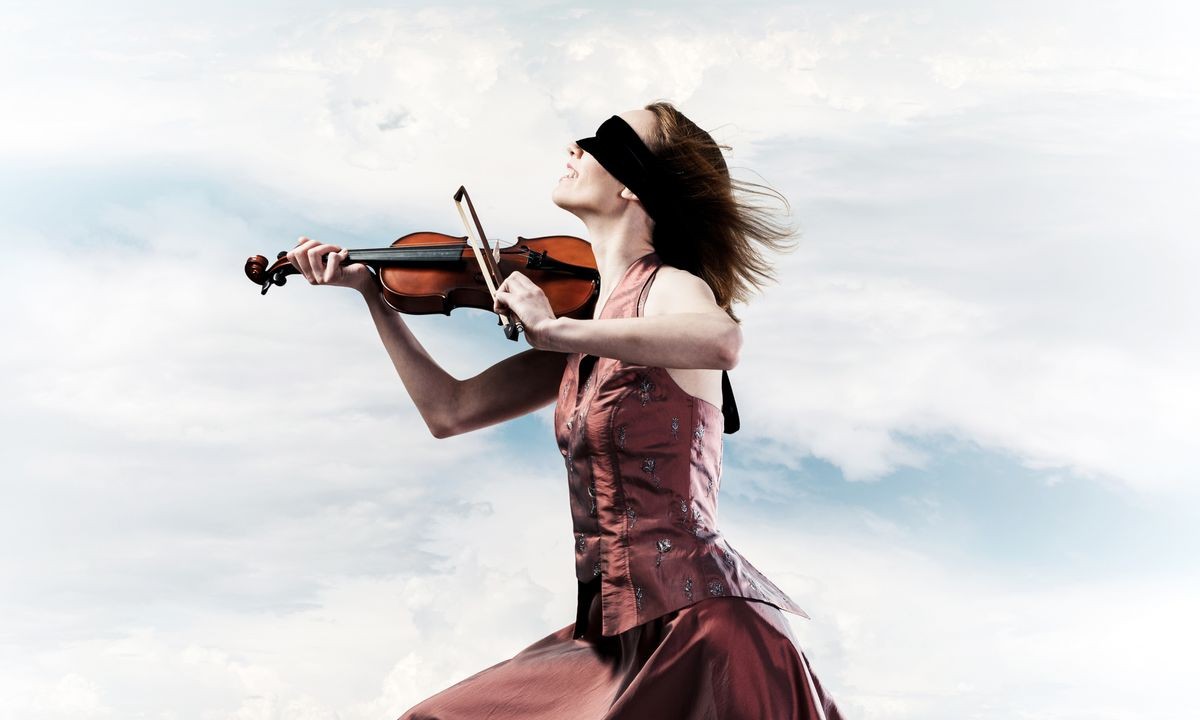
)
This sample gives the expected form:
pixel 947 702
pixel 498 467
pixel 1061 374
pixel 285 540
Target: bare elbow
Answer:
pixel 729 358
pixel 730 348
pixel 440 431
pixel 443 427
pixel 442 421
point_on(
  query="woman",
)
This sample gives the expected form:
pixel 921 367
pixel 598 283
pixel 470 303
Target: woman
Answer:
pixel 672 622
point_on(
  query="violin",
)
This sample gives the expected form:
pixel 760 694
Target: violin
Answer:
pixel 427 272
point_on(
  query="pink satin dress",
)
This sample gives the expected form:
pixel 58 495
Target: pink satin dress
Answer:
pixel 672 623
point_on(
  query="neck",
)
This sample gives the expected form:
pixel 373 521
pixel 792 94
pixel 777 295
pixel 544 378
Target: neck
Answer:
pixel 616 243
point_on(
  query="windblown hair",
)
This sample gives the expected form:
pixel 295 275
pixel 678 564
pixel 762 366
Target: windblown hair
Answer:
pixel 722 235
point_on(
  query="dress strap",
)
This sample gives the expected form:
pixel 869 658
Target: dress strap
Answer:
pixel 729 405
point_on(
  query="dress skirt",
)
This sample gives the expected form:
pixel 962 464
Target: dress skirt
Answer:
pixel 722 658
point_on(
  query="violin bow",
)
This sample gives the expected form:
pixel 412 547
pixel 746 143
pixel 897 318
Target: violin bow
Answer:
pixel 487 262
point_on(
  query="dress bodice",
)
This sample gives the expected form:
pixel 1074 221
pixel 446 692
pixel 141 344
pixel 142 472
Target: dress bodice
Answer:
pixel 644 461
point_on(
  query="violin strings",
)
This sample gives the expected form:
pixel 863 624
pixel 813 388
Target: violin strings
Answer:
pixel 412 253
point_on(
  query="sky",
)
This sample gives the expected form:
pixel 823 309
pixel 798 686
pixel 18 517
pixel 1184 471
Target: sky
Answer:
pixel 967 404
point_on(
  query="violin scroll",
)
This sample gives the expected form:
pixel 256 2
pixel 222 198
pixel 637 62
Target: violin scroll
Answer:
pixel 260 274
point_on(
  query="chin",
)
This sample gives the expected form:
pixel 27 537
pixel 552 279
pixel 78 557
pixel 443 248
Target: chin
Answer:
pixel 557 199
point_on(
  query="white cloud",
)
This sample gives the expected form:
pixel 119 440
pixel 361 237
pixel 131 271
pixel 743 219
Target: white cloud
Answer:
pixel 871 358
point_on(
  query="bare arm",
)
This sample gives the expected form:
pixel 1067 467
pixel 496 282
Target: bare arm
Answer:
pixel 512 387
pixel 682 326
pixel 678 340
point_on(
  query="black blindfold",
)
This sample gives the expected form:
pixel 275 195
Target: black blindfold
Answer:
pixel 617 147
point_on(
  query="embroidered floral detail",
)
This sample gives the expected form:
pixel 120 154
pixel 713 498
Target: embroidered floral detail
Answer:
pixel 595 568
pixel 727 559
pixel 674 428
pixel 569 422
pixel 699 433
pixel 592 494
pixel 637 597
pixel 621 437
pixel 580 542
pixel 715 588
pixel 632 515
pixel 754 586
pixel 683 507
pixel 648 468
pixel 664 546
pixel 687 588
pixel 644 389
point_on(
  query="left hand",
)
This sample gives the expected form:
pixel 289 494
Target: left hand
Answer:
pixel 526 301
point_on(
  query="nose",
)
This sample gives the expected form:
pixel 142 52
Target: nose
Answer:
pixel 574 150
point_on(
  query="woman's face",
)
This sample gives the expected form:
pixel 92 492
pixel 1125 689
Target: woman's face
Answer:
pixel 585 187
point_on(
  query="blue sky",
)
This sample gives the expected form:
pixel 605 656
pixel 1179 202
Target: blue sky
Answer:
pixel 967 405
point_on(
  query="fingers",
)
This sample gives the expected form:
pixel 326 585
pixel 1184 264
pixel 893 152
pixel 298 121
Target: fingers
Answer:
pixel 515 280
pixel 500 301
pixel 515 285
pixel 316 261
pixel 298 257
pixel 333 267
pixel 518 294
pixel 309 258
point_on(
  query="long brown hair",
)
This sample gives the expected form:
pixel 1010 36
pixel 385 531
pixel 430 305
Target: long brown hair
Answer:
pixel 722 236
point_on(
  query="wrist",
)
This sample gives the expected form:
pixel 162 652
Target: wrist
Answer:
pixel 370 288
pixel 371 292
pixel 550 335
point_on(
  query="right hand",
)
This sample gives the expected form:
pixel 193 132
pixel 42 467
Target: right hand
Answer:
pixel 308 258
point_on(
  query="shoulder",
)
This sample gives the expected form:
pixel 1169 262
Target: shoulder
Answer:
pixel 678 291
